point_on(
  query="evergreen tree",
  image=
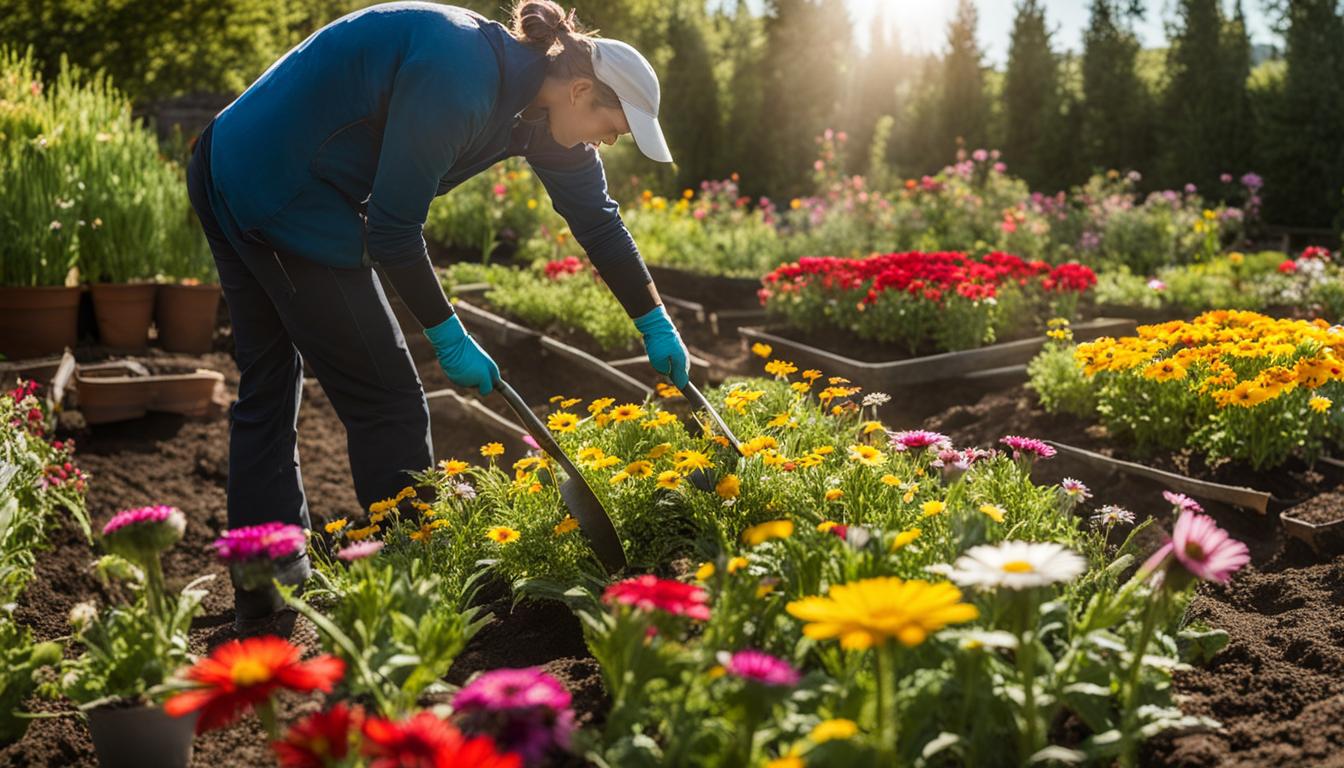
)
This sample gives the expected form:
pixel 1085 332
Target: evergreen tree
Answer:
pixel 806 44
pixel 1116 122
pixel 964 111
pixel 1305 156
pixel 1030 94
pixel 745 138
pixel 690 101
pixel 1206 89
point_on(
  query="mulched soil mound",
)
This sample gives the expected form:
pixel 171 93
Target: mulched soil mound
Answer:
pixel 1278 686
pixel 182 462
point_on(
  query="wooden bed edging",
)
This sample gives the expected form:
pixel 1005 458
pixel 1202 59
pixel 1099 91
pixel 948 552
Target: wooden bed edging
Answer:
pixel 930 368
pixel 1237 496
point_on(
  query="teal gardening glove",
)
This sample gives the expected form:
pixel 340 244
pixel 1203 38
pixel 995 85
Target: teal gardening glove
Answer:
pixel 667 353
pixel 462 359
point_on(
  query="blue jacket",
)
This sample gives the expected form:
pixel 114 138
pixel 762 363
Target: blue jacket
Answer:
pixel 337 150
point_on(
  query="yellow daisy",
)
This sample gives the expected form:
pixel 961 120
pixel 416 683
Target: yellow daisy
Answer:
pixel 562 421
pixel 453 466
pixel 626 412
pixel 565 526
pixel 669 479
pixel 491 450
pixel 502 534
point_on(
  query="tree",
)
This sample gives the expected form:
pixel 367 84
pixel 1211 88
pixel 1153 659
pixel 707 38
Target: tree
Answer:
pixel 803 66
pixel 690 103
pixel 1305 156
pixel 746 130
pixel 1031 101
pixel 1116 124
pixel 964 110
pixel 1204 107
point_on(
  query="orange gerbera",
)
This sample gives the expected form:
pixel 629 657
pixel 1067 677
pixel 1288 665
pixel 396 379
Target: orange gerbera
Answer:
pixel 244 674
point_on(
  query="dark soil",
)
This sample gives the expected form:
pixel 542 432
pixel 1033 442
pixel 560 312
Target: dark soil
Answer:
pixel 172 460
pixel 1278 687
pixel 1326 508
pixel 714 292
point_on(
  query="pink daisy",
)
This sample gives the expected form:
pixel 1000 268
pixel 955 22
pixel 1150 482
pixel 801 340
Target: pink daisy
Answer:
pixel 1201 548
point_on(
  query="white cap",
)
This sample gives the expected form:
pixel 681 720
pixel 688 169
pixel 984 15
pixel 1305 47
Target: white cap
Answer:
pixel 629 74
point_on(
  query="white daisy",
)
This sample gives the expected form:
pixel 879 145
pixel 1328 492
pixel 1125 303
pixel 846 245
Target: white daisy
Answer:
pixel 1015 565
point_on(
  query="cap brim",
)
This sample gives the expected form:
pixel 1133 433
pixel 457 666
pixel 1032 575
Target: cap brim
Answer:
pixel 648 134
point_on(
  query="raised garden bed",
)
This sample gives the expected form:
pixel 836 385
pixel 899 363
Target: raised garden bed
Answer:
pixel 1319 522
pixel 1278 678
pixel 887 368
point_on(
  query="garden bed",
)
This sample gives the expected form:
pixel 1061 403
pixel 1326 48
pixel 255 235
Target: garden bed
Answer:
pixel 1278 687
pixel 887 368
pixel 170 459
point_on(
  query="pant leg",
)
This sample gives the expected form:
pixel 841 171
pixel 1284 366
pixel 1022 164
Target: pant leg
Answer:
pixel 264 483
pixel 340 321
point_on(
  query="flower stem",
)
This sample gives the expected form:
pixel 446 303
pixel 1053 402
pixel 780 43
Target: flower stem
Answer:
pixel 1129 753
pixel 1026 666
pixel 266 713
pixel 885 663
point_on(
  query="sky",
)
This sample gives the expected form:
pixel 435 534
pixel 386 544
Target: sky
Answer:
pixel 922 24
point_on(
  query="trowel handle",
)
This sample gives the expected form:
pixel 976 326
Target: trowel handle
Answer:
pixel 531 422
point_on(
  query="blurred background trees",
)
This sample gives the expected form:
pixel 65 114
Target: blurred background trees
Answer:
pixel 749 84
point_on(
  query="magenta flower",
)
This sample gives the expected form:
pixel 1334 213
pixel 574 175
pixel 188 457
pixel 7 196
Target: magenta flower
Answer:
pixel 759 667
pixel 144 532
pixel 915 439
pixel 1028 447
pixel 513 689
pixel 158 513
pixel 359 550
pixel 525 711
pixel 1182 502
pixel 1200 548
pixel 270 541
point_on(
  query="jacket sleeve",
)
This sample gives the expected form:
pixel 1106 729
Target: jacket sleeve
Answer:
pixel 574 179
pixel 434 111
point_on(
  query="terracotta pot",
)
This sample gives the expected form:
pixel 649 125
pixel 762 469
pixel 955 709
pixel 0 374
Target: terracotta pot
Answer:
pixel 117 391
pixel 129 737
pixel 185 316
pixel 36 321
pixel 123 311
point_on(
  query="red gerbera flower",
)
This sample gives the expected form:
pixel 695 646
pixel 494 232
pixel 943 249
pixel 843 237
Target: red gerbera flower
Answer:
pixel 649 592
pixel 319 738
pixel 242 674
pixel 425 741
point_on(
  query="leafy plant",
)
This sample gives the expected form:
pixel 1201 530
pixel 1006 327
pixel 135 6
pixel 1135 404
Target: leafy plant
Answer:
pixel 25 663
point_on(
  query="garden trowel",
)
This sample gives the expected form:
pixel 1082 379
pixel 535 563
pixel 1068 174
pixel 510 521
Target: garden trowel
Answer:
pixel 578 496
pixel 700 478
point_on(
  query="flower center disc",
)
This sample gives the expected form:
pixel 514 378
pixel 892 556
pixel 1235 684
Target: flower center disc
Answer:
pixel 1018 566
pixel 250 672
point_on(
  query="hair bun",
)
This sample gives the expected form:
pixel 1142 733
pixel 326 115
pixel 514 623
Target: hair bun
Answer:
pixel 541 22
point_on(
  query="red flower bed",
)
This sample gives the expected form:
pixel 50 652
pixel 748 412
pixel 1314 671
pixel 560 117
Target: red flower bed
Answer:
pixel 950 298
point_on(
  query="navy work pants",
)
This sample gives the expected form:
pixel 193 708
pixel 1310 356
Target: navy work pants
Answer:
pixel 286 309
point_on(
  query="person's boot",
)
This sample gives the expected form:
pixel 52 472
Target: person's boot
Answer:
pixel 256 610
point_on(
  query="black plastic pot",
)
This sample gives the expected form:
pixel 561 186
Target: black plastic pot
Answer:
pixel 133 737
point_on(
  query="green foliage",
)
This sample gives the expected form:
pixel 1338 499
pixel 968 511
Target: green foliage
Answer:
pixel 566 302
pixel 23 664
pixel 34 494
pixel 1058 383
pixel 1117 111
pixel 1305 165
pixel 964 109
pixel 85 185
pixel 505 202
pixel 130 650
pixel 1030 94
pixel 396 628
